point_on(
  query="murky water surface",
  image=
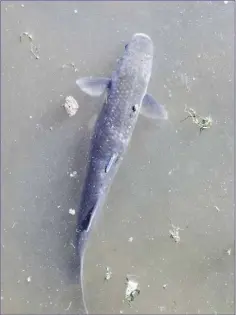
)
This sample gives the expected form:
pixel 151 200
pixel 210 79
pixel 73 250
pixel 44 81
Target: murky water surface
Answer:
pixel 171 175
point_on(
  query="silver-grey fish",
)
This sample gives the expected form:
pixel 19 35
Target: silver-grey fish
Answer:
pixel 126 97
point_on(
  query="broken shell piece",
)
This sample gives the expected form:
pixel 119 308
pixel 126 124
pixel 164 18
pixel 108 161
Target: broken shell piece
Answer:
pixel 35 51
pixel 108 273
pixel 71 106
pixel 132 290
pixel 67 309
pixel 174 233
pixel 70 65
pixel 217 208
pixel 27 34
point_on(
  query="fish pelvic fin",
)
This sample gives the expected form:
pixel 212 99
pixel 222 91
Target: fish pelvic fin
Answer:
pixel 151 109
pixel 93 86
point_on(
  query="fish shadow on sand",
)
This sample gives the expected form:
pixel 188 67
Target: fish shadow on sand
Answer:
pixel 80 165
pixel 80 158
pixel 66 189
pixel 69 260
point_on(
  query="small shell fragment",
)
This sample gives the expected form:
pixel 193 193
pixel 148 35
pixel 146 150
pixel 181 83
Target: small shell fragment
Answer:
pixel 132 289
pixel 217 208
pixel 108 273
pixel 73 174
pixel 28 279
pixel 71 106
pixel 72 211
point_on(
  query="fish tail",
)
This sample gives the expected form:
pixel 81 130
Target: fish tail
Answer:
pixel 81 239
pixel 81 276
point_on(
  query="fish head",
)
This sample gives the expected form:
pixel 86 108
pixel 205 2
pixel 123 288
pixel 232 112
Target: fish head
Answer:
pixel 138 56
pixel 141 43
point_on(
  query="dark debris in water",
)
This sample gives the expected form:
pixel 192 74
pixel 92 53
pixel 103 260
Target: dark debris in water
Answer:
pixel 200 121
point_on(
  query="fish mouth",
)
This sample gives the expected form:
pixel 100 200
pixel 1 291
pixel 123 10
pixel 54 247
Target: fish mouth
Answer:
pixel 141 35
pixel 142 45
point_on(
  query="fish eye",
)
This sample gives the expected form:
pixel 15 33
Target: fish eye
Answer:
pixel 134 108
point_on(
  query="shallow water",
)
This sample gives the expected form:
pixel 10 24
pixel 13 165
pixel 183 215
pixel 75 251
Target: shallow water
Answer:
pixel 171 174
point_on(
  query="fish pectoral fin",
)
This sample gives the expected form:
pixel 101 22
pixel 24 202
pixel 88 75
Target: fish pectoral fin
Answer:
pixel 151 109
pixel 93 86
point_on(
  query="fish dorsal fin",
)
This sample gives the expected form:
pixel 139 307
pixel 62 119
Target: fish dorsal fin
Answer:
pixel 151 109
pixel 93 86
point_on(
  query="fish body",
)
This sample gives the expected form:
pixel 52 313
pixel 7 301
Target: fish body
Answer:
pixel 125 96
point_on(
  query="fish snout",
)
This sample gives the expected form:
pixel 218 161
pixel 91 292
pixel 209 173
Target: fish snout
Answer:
pixel 141 43
pixel 141 35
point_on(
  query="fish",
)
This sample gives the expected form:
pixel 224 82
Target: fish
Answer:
pixel 125 97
